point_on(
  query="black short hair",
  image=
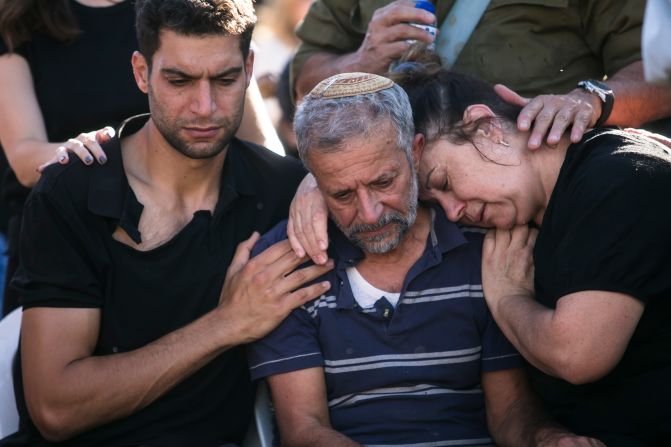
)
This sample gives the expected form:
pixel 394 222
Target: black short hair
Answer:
pixel 193 18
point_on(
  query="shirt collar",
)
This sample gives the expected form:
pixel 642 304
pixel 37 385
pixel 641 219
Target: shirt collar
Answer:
pixel 444 236
pixel 110 194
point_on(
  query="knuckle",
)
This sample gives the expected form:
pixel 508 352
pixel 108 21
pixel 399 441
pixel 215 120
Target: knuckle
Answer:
pixel 301 275
pixel 563 115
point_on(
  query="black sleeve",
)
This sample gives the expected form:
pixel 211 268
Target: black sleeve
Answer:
pixel 58 265
pixel 618 236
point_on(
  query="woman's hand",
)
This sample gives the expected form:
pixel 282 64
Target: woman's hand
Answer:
pixel 307 224
pixel 507 264
pixel 86 146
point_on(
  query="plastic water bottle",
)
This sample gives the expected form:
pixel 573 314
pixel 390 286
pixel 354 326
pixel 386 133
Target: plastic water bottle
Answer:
pixel 431 29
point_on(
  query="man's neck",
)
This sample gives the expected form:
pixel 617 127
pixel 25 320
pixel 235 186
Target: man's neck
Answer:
pixel 387 271
pixel 170 186
pixel 153 165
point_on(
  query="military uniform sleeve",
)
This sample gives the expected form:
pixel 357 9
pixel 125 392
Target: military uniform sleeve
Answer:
pixel 613 30
pixel 332 26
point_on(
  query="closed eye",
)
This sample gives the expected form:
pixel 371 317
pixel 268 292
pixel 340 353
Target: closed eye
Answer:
pixel 178 82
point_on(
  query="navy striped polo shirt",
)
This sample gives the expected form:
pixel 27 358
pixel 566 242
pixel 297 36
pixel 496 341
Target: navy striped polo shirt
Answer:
pixel 404 376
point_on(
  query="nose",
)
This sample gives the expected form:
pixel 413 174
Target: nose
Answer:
pixel 370 208
pixel 453 207
pixel 203 103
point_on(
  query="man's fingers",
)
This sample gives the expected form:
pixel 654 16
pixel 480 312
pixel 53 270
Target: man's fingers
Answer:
pixel 404 32
pixel 542 122
pixel 510 96
pixel 562 119
pixel 528 114
pixel 305 294
pixel 275 254
pixel 242 254
pixel 297 278
pixel 580 124
pixel 399 12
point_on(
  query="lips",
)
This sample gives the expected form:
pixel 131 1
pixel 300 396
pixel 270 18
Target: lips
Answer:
pixel 202 132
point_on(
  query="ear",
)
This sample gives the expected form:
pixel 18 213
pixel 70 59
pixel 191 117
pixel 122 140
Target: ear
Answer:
pixel 491 128
pixel 418 144
pixel 140 71
pixel 249 66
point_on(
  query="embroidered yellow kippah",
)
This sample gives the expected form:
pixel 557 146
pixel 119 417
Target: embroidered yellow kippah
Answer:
pixel 350 84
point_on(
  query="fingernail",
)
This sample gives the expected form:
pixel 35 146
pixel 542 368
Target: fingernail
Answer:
pixel 326 284
pixel 102 160
pixel 61 158
pixel 321 259
pixel 88 160
pixel 524 124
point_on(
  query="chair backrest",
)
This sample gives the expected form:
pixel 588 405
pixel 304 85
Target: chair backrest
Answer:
pixel 261 431
pixel 10 327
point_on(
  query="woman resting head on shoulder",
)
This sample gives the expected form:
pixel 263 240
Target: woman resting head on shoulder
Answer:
pixel 584 294
pixel 586 297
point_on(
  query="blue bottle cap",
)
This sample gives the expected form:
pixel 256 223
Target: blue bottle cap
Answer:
pixel 425 5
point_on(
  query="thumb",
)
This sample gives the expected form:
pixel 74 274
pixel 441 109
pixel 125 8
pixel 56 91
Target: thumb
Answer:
pixel 242 254
pixel 105 134
pixel 510 96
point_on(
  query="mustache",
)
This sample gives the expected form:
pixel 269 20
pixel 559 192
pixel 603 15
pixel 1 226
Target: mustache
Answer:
pixel 386 219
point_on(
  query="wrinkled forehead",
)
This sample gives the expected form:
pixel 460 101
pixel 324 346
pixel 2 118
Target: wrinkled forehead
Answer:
pixel 362 162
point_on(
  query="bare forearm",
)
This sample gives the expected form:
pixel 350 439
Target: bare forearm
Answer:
pixel 529 327
pixel 99 389
pixel 524 425
pixel 256 125
pixel 24 157
pixel 636 101
pixel 318 436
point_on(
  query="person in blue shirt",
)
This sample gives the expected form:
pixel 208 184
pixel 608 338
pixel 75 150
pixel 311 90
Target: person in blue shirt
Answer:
pixel 402 349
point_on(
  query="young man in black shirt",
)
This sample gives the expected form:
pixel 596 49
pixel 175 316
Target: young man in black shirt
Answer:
pixel 132 323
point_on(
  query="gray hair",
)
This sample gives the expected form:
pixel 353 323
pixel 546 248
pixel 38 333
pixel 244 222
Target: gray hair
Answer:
pixel 326 124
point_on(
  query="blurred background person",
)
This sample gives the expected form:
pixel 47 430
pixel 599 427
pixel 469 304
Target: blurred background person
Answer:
pixel 656 38
pixel 275 43
pixel 58 59
pixel 542 50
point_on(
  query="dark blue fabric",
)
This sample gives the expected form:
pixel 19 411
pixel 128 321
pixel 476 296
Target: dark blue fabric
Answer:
pixel 405 375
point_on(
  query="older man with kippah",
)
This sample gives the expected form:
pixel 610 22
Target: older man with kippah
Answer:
pixel 402 349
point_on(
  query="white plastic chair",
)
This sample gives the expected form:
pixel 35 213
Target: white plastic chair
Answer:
pixel 10 327
pixel 260 434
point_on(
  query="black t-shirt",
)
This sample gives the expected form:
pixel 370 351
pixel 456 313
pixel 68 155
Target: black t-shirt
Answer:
pixel 608 227
pixel 70 259
pixel 85 84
